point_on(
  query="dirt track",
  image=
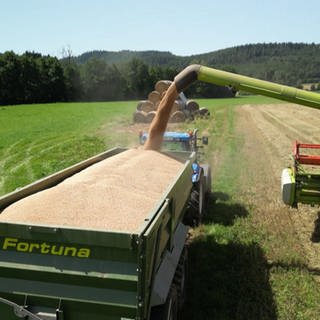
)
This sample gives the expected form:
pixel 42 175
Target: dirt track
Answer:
pixel 269 132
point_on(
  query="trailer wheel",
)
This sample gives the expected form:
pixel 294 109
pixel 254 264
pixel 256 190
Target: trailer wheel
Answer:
pixel 199 200
pixel 171 306
pixel 180 278
pixel 168 311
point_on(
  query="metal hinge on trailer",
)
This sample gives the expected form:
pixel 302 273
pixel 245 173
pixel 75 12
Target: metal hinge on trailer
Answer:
pixel 23 312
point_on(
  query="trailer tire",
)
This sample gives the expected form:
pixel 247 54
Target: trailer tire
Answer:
pixel 168 311
pixel 181 277
pixel 172 306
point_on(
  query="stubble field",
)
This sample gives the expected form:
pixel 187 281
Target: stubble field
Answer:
pixel 255 258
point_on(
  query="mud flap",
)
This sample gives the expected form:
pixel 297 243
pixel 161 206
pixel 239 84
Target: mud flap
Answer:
pixel 167 269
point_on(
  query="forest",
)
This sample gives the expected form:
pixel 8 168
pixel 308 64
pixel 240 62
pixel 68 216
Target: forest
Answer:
pixel 127 75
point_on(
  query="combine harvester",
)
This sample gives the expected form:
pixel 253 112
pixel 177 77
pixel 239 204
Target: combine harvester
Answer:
pixel 300 183
pixel 68 270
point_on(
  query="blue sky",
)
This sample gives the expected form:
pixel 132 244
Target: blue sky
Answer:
pixel 181 27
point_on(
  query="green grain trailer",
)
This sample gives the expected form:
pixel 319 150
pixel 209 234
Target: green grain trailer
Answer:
pixel 54 272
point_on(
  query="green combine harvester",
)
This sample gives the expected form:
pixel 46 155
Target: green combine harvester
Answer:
pixel 300 183
pixel 110 275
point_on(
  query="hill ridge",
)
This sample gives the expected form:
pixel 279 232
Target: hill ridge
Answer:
pixel 292 63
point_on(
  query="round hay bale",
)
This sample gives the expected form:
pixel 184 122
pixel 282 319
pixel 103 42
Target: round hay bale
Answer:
pixel 192 106
pixel 150 116
pixel 140 117
pixel 140 103
pixel 162 85
pixel 177 116
pixel 177 106
pixel 154 96
pixel 204 112
pixel 146 106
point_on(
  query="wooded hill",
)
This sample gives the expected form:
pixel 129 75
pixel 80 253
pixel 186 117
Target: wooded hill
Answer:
pixel 286 63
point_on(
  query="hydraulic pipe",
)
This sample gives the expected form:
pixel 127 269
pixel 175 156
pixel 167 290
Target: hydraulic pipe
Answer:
pixel 251 85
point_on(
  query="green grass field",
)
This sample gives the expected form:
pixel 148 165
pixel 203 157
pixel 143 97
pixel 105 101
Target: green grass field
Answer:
pixel 36 140
pixel 230 276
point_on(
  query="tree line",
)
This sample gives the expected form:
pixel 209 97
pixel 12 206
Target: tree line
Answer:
pixel 34 78
pixel 286 63
pixel 30 78
pixel 126 75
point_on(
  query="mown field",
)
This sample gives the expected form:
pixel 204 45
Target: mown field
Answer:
pixel 36 140
pixel 252 258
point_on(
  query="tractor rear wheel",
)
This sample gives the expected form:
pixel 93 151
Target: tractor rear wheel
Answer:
pixel 199 199
pixel 197 203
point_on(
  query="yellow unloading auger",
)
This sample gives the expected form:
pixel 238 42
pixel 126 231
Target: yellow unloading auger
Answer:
pixel 297 184
pixel 251 85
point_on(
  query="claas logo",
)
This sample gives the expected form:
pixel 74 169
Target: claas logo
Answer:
pixel 14 244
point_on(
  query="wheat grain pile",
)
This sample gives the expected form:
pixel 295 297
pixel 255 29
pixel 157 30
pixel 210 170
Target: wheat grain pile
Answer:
pixel 115 194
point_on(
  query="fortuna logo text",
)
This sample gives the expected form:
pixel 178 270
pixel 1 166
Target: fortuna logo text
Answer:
pixel 44 248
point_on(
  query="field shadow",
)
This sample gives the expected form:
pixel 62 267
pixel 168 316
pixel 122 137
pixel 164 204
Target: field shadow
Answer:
pixel 315 236
pixel 221 212
pixel 227 280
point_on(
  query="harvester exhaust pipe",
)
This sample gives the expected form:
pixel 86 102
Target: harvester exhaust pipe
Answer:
pixel 221 78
